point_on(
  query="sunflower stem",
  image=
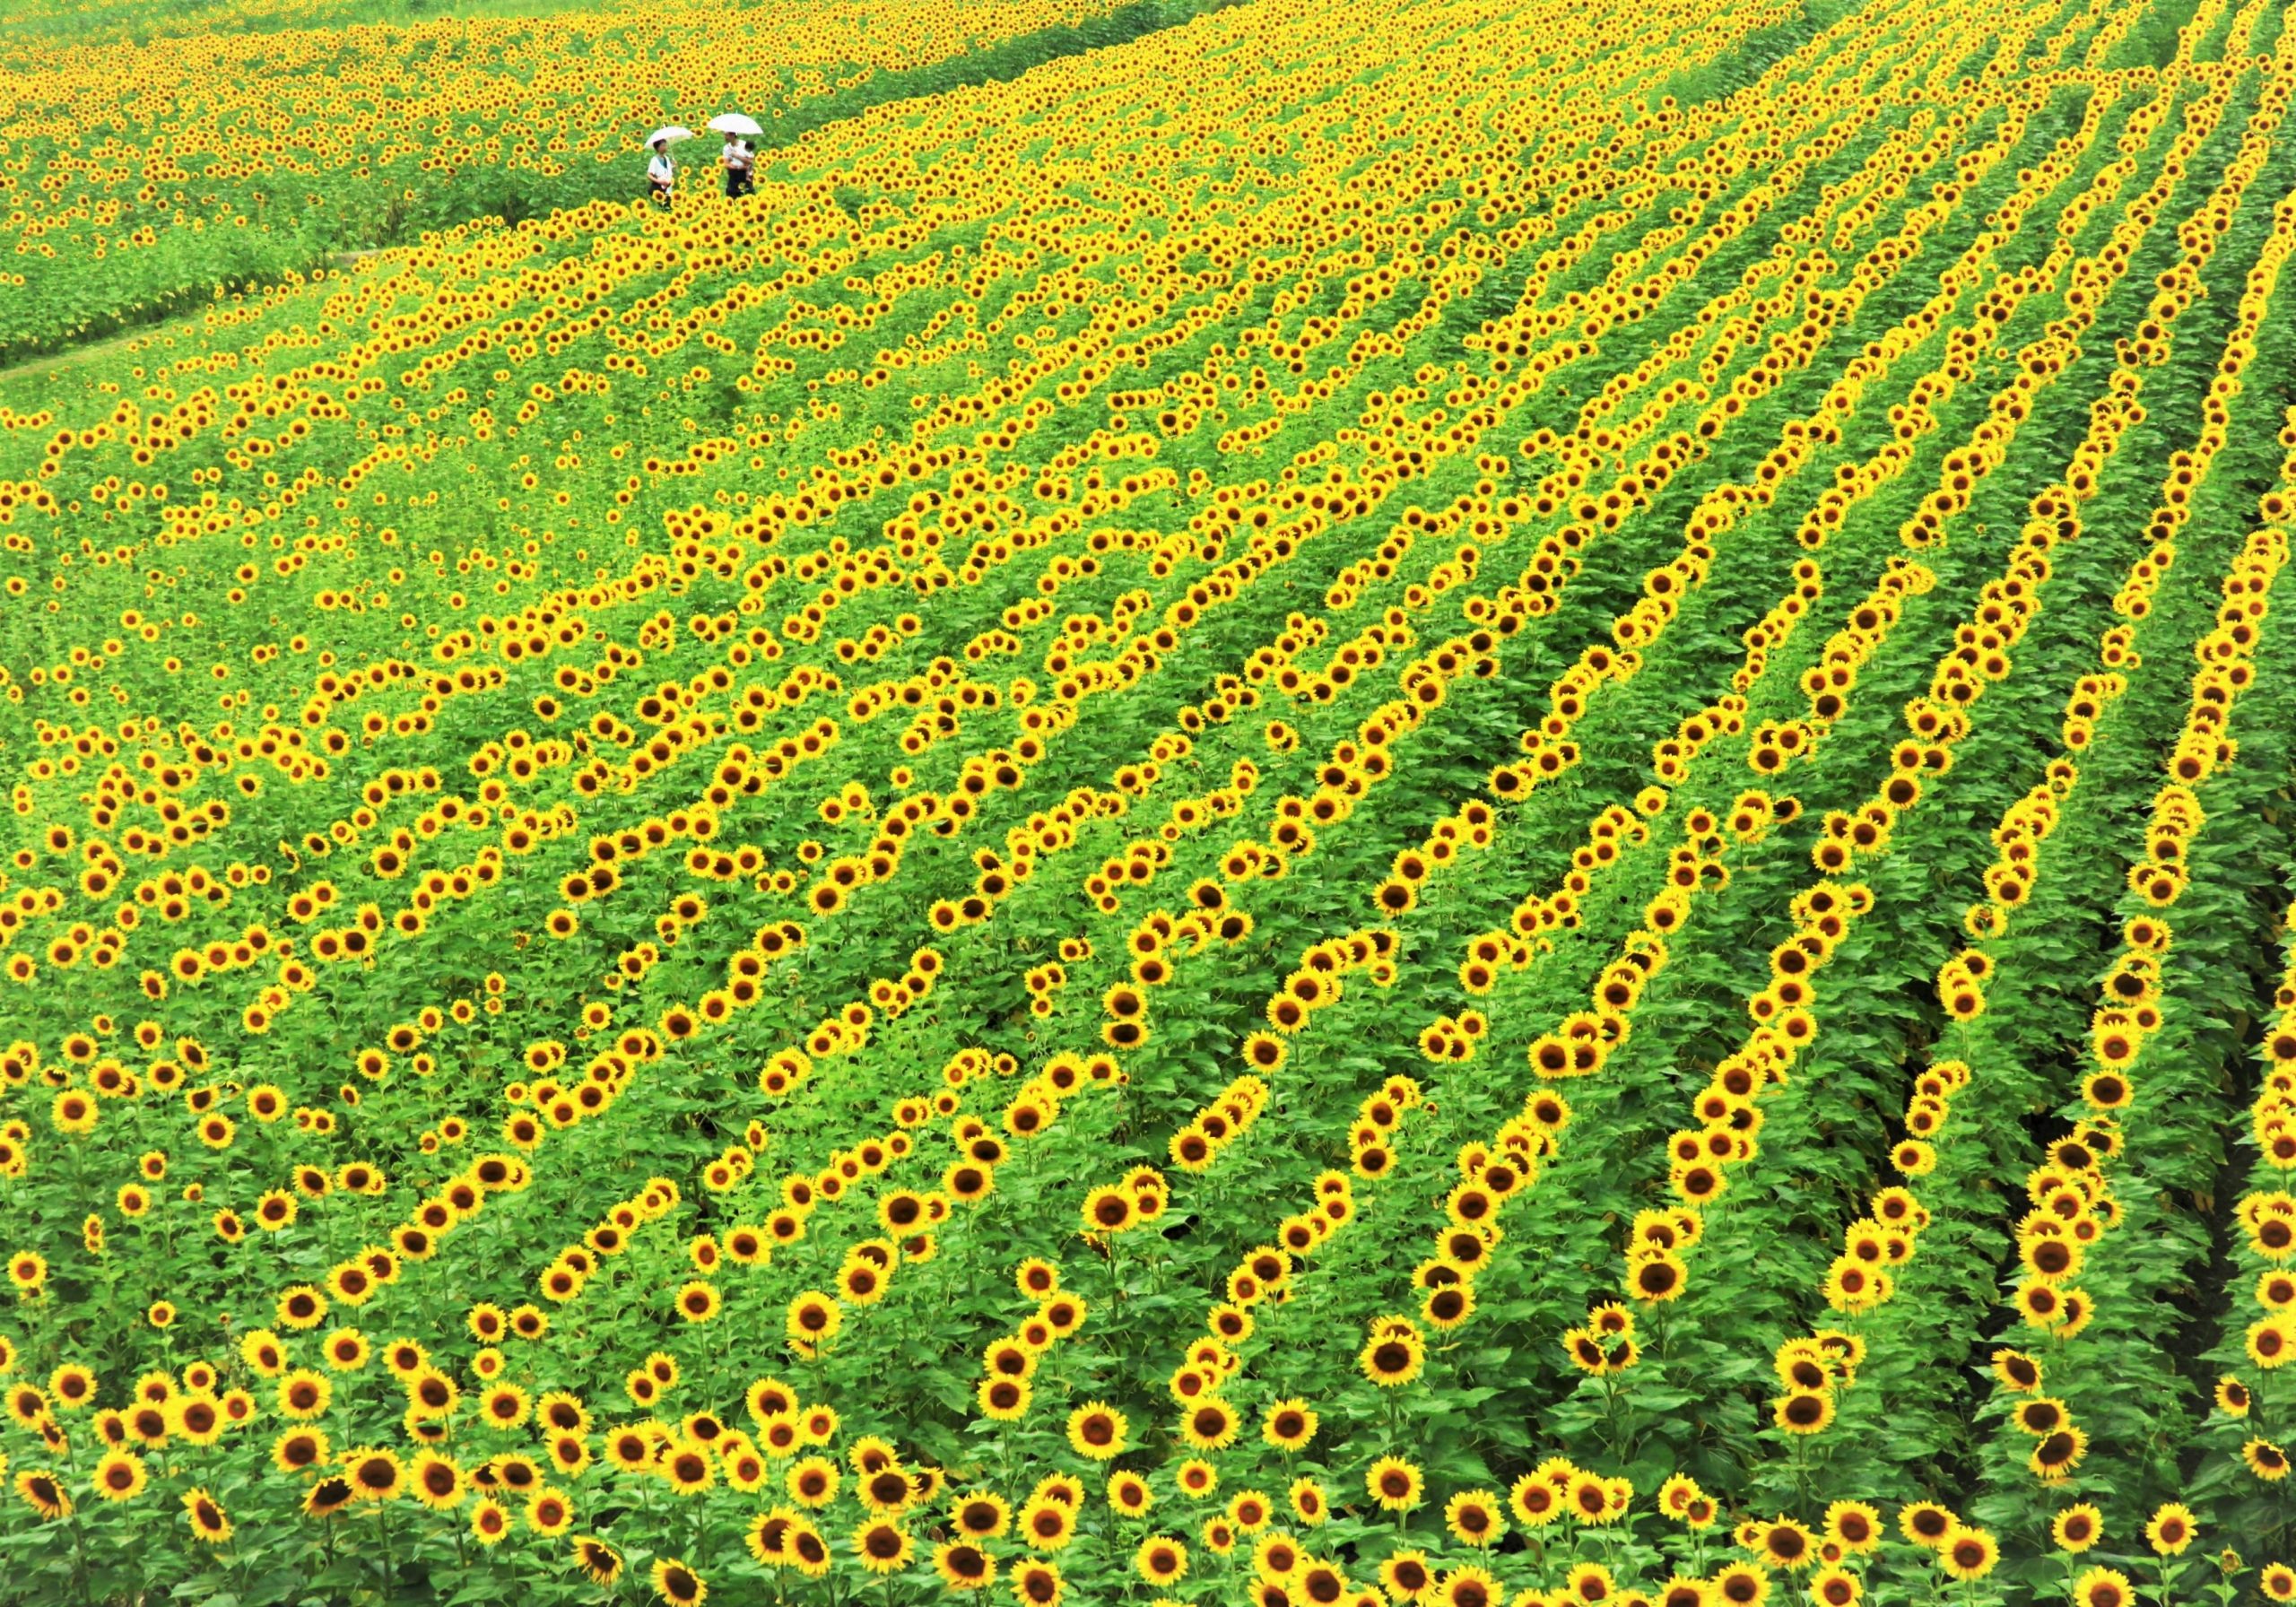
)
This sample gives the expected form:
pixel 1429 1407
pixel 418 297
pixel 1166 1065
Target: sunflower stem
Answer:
pixel 384 1514
pixel 80 1560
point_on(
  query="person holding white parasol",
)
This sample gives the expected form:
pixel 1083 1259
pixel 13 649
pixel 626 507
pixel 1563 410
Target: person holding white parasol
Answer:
pixel 662 172
pixel 739 158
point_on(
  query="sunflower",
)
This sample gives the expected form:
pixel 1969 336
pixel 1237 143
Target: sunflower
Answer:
pixel 209 1522
pixel 1394 1483
pixel 73 1385
pixel 1003 1400
pixel 504 1406
pixel 2077 1528
pixel 768 1398
pixel 678 1585
pixel 2265 1460
pixel 196 1418
pixel 885 1489
pixel 1037 1278
pixel 687 1469
pixel 120 1476
pixel 347 1350
pixel 2103 1588
pixel 1535 1500
pixel 437 1480
pixel 1835 1586
pixel 2078 1310
pixel 812 1481
pixel 1098 1430
pixel 375 1474
pixel 982 1515
pixel 1046 1524
pixel 1591 1583
pixel 1161 1560
pixel 1927 1524
pixel 813 1320
pixel 1210 1425
pixel 598 1560
pixel 301 1307
pixel 1593 1352
pixel 1249 1511
pixel 1740 1585
pixel 1108 1210
pixel 44 1493
pixel 2017 1370
pixel 1394 1354
pixel 1969 1554
pixel 882 1546
pixel 1468 1588
pixel 964 1565
pixel 1276 1557
pixel 299 1450
pixel 431 1392
pixel 1591 1499
pixel 1854 1527
pixel 746 1468
pixel 768 1536
pixel 1784 1544
pixel 550 1512
pixel 1680 1590
pixel 1405 1576
pixel 698 1301
pixel 1473 1518
pixel 1657 1278
pixel 2040 1415
pixel 1038 1584
pixel 1804 1412
pixel 1065 1313
pixel 2170 1529
pixel 2058 1454
pixel 27 1271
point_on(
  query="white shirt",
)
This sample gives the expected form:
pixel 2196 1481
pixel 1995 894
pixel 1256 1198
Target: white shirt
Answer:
pixel 738 154
pixel 662 169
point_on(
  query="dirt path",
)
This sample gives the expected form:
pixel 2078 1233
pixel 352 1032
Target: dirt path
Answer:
pixel 32 367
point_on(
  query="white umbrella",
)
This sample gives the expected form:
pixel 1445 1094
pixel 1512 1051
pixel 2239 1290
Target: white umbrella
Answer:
pixel 671 134
pixel 734 122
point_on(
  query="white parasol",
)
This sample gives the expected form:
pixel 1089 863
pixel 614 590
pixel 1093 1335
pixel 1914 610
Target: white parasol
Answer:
pixel 673 135
pixel 734 122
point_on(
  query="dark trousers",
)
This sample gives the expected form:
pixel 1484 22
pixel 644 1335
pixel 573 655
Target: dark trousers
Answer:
pixel 738 181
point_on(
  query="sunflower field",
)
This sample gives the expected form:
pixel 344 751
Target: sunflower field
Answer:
pixel 1629 946
pixel 248 143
